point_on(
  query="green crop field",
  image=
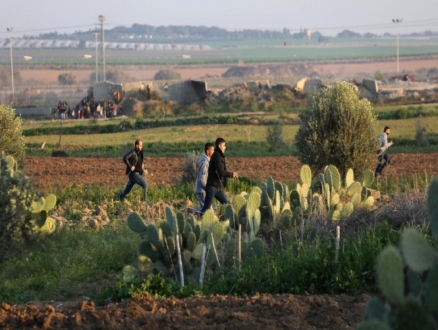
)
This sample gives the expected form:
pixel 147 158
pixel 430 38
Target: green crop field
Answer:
pixel 231 51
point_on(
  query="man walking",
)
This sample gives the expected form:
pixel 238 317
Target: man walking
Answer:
pixel 217 176
pixel 134 168
pixel 383 157
pixel 201 178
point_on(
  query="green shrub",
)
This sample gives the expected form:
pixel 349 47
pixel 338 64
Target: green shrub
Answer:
pixel 421 135
pixel 402 113
pixel 190 169
pixel 67 79
pixel 11 141
pixel 274 136
pixel 337 128
pixel 16 197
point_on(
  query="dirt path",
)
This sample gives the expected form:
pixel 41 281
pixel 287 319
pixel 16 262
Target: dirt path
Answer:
pixel 214 312
pixel 47 76
pixel 109 172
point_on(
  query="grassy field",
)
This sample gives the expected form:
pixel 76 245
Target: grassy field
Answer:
pixel 231 51
pixel 400 128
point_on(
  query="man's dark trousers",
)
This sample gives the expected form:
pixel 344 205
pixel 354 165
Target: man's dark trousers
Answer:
pixel 134 178
pixel 214 192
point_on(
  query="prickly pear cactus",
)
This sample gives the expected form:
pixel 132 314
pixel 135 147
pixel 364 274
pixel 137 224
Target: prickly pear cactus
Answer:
pixel 410 302
pixel 306 174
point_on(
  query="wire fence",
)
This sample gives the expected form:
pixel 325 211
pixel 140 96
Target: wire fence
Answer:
pixel 48 95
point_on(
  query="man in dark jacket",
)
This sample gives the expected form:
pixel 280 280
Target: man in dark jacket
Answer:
pixel 134 168
pixel 217 176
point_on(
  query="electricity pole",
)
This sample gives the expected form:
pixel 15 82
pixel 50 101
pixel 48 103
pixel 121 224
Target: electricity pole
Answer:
pixel 12 64
pixel 396 21
pixel 95 32
pixel 102 19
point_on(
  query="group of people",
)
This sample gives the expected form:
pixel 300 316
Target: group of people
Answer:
pixel 88 108
pixel 212 173
pixel 211 176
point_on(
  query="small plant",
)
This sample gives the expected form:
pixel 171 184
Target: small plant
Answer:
pixel 274 136
pixel 16 197
pixel 67 79
pixel 421 135
pixel 408 278
pixel 190 169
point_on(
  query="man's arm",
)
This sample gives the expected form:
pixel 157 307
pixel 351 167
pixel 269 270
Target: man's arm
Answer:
pixel 203 171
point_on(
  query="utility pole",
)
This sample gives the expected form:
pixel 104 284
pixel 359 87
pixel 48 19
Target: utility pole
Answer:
pixel 12 63
pixel 101 18
pixel 95 32
pixel 396 21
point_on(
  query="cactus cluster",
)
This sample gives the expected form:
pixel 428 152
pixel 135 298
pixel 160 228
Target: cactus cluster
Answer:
pixel 40 208
pixel 340 197
pixel 329 193
pixel 17 198
pixel 408 278
pixel 159 244
pixel 325 193
pixel 159 241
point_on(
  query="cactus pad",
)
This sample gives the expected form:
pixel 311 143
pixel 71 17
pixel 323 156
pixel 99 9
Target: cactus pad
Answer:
pixel 171 219
pixel 270 187
pixel 390 275
pixel 368 178
pixel 306 174
pixel 432 205
pixel 136 223
pixel 419 254
pixel 349 177
pixel 147 249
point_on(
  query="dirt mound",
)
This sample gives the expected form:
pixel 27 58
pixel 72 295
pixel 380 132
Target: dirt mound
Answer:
pixel 267 71
pixel 214 312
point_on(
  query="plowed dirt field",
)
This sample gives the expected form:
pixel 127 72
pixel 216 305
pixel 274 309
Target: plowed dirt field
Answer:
pixel 214 312
pixel 109 172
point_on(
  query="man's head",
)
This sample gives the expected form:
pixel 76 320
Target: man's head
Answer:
pixel 387 130
pixel 138 145
pixel 220 144
pixel 209 149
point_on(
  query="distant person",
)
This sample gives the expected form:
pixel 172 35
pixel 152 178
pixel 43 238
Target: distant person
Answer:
pixel 148 90
pixel 134 169
pixel 383 157
pixel 202 175
pixel 217 176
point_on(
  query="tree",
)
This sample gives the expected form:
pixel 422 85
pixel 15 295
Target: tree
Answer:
pixel 337 128
pixel 67 79
pixel 12 140
pixel 167 75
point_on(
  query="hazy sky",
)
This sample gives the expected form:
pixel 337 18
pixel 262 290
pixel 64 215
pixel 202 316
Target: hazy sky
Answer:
pixel 328 16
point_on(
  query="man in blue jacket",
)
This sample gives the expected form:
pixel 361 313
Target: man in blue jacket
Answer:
pixel 217 176
pixel 201 178
pixel 134 168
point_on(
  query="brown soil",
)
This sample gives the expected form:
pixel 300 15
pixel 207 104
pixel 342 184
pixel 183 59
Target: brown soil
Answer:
pixel 48 76
pixel 214 312
pixel 109 172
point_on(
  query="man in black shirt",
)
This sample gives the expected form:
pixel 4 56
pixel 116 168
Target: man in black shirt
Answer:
pixel 134 168
pixel 217 176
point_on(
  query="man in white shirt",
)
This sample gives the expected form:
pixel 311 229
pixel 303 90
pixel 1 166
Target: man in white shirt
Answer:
pixel 383 157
